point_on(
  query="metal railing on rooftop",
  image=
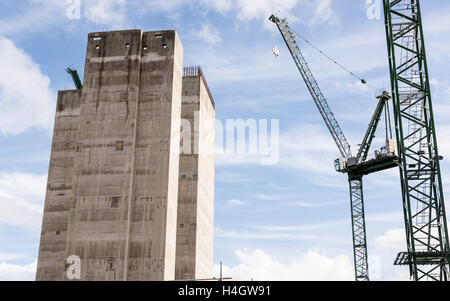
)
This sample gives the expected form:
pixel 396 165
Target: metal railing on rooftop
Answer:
pixel 195 71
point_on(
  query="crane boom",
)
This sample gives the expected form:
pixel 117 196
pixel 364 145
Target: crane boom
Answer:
pixel 75 78
pixel 313 87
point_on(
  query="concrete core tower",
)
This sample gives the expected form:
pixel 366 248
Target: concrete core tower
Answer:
pixel 112 200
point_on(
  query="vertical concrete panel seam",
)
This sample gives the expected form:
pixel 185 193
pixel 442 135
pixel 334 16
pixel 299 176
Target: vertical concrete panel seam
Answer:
pixel 133 170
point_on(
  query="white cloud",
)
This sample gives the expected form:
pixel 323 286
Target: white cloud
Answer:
pixel 305 147
pixel 314 13
pixel 308 148
pixel 235 159
pixel 172 6
pixel 386 246
pixel 264 235
pixel 229 177
pixel 256 9
pixel 391 239
pixel 400 274
pixel 11 256
pixel 304 227
pixel 376 218
pixel 38 15
pixel 235 146
pixel 246 10
pixel 391 217
pixel 161 5
pixel 26 99
pixel 436 24
pixel 260 103
pixel 21 200
pixel 443 132
pixel 387 178
pixel 234 63
pixel 309 266
pixel 316 204
pixel 14 272
pixel 324 14
pixel 208 34
pixel 267 197
pixel 220 6
pixel 236 202
pixel 109 12
pixel 319 12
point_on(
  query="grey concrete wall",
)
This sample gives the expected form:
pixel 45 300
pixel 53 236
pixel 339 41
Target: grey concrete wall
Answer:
pixel 154 210
pixel 123 173
pixel 205 198
pixel 59 195
pixel 196 183
pixel 104 168
pixel 115 171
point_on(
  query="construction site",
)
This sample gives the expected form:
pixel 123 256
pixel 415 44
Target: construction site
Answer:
pixel 131 192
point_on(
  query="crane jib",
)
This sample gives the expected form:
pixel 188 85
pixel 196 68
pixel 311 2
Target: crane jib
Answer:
pixel 313 87
pixel 355 180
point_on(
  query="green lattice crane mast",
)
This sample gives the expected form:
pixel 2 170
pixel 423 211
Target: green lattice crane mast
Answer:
pixel 355 167
pixel 427 252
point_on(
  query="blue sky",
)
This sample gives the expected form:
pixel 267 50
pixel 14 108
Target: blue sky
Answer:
pixel 288 221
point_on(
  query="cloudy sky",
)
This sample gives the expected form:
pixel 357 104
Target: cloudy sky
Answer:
pixel 286 221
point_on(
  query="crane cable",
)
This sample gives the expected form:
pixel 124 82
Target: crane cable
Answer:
pixel 363 81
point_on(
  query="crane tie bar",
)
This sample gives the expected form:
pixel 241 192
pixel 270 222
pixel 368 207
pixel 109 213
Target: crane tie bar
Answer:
pixel 331 59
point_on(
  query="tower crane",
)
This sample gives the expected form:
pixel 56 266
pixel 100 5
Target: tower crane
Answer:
pixel 416 153
pixel 355 167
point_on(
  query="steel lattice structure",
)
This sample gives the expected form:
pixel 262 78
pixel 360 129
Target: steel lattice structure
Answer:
pixel 358 229
pixel 427 252
pixel 355 167
pixel 355 177
pixel 422 195
pixel 370 134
